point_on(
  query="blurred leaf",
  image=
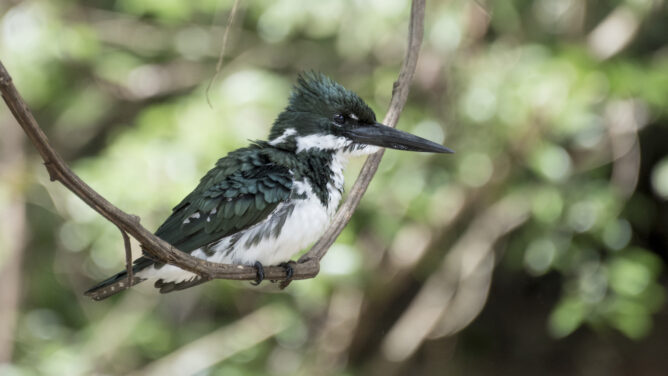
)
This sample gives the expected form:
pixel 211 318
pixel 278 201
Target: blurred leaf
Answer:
pixel 566 317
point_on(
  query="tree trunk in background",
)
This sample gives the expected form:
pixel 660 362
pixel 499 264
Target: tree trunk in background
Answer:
pixel 12 232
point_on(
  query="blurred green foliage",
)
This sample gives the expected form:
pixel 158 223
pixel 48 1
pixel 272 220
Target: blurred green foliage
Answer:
pixel 561 103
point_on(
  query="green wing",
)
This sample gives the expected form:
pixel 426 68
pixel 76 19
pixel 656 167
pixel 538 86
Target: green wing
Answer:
pixel 239 192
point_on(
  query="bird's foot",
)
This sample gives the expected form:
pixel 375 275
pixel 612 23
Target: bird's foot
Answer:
pixel 260 273
pixel 289 272
pixel 289 269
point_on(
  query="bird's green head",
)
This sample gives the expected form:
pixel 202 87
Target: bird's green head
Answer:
pixel 324 115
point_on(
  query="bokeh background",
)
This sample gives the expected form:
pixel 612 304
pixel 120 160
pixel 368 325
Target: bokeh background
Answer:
pixel 538 249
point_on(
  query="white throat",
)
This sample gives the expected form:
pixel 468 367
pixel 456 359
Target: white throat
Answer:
pixel 321 142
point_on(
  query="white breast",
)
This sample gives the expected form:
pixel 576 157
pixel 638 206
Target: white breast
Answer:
pixel 306 223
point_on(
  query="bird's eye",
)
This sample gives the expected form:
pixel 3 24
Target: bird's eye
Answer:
pixel 339 119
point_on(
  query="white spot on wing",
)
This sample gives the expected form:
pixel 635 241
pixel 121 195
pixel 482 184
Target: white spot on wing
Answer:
pixel 193 216
pixel 212 212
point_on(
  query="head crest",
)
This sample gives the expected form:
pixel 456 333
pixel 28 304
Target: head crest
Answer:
pixel 315 92
pixel 315 100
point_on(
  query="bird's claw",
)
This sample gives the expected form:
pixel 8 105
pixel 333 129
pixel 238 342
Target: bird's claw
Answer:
pixel 260 273
pixel 289 269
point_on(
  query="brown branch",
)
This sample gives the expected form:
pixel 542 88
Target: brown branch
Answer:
pixel 128 257
pixel 308 265
pixel 157 248
pixel 400 91
pixel 399 96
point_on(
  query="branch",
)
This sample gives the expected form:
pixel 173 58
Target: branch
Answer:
pixel 155 247
pixel 223 47
pixel 400 91
pixel 308 265
pixel 128 256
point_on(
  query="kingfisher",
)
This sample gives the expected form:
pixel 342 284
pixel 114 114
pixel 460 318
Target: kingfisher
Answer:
pixel 262 204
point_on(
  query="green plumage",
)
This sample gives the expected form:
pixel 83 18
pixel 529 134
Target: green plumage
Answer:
pixel 240 191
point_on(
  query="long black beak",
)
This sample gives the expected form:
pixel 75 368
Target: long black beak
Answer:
pixel 382 135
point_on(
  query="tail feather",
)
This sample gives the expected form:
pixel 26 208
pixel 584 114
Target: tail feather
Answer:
pixel 166 287
pixel 119 282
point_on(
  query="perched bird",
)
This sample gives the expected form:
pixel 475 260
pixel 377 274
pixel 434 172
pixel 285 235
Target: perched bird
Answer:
pixel 262 204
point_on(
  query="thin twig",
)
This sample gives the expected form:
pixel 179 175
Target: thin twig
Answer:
pixel 223 47
pixel 399 96
pixel 128 257
pixel 308 265
pixel 400 91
